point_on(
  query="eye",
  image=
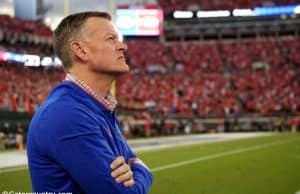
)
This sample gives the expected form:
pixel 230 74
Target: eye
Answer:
pixel 111 39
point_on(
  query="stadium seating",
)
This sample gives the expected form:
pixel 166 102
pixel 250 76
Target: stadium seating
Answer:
pixel 23 89
pixel 171 5
pixel 218 78
pixel 209 78
pixel 25 36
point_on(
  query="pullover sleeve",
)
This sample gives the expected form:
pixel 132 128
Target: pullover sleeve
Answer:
pixel 79 146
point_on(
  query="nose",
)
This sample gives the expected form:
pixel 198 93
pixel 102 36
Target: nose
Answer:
pixel 122 46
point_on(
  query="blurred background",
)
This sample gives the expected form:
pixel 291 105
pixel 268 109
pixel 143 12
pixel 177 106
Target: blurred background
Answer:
pixel 197 66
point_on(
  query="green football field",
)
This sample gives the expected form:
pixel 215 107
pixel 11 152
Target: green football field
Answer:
pixel 261 165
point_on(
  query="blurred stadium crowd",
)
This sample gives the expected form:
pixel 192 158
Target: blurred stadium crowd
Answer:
pixel 215 78
pixel 186 78
pixel 183 79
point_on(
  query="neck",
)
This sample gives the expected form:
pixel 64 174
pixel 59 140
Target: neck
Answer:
pixel 100 83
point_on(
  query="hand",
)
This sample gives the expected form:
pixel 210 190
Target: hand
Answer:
pixel 121 172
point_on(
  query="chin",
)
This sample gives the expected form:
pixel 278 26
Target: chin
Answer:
pixel 125 69
pixel 120 71
pixel 113 70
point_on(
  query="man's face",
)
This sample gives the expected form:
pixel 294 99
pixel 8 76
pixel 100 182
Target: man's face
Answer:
pixel 104 50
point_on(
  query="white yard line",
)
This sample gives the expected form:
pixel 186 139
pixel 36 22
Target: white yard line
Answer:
pixel 217 155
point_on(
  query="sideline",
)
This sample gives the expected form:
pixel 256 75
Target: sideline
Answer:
pixel 192 161
pixel 217 155
pixel 15 161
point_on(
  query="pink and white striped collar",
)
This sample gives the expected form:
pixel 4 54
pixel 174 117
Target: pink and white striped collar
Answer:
pixel 109 102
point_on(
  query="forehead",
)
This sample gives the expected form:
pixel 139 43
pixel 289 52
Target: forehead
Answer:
pixel 99 26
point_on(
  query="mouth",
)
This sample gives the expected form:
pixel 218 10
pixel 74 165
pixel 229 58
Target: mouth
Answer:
pixel 122 57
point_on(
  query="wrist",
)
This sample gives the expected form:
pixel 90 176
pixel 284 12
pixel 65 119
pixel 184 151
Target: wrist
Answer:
pixel 133 160
pixel 137 161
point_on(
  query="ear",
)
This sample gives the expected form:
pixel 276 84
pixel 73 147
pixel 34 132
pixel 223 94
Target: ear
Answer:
pixel 78 50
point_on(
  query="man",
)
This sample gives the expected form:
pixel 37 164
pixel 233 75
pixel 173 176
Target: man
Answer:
pixel 74 140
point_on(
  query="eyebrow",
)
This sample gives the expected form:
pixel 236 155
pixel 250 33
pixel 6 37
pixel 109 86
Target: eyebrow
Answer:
pixel 112 34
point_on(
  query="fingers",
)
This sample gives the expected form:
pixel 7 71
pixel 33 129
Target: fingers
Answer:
pixel 122 172
pixel 123 169
pixel 124 177
pixel 117 162
pixel 129 183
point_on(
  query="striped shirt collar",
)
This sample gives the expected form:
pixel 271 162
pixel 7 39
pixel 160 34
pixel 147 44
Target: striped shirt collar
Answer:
pixel 109 102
